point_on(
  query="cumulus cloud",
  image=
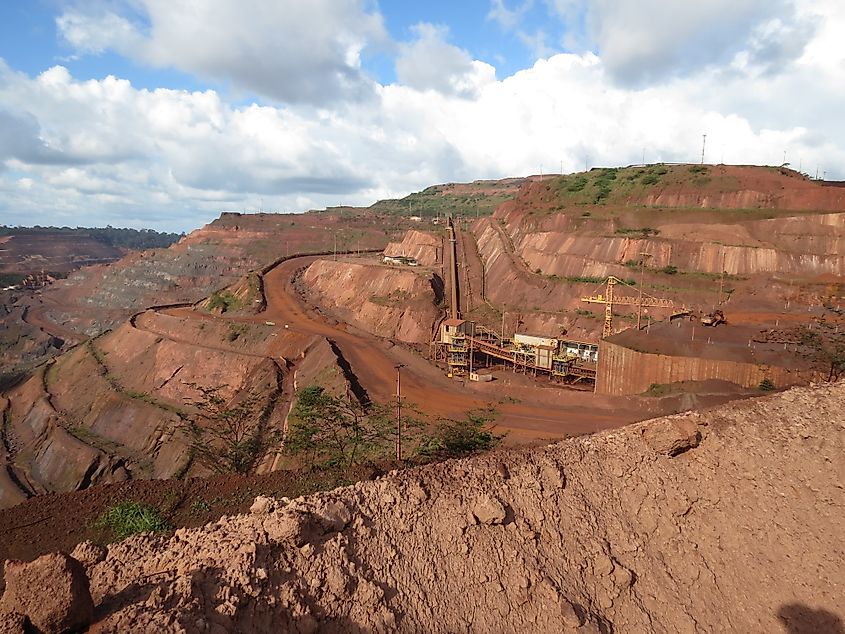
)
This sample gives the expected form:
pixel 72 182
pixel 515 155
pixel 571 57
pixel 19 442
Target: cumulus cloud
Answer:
pixel 506 17
pixel 291 51
pixel 644 41
pixel 431 63
pixel 104 151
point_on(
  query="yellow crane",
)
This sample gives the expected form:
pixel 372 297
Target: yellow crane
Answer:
pixel 609 299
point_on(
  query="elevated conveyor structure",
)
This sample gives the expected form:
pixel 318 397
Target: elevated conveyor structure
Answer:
pixel 460 342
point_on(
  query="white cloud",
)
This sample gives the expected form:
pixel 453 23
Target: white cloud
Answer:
pixel 292 51
pixel 96 33
pixel 508 18
pixel 101 151
pixel 431 63
pixel 645 41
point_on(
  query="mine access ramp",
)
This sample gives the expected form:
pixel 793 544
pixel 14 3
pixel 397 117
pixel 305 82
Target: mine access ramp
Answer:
pixel 461 340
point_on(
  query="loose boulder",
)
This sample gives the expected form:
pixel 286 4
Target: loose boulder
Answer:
pixel 51 592
pixel 672 436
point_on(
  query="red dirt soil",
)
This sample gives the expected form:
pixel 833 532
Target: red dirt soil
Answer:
pixel 725 521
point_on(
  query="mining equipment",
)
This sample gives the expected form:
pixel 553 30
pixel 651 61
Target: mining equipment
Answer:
pixel 562 360
pixel 609 299
pixel 713 319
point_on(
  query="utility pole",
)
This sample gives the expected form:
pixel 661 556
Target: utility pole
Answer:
pixel 503 327
pixel 703 145
pixel 399 411
pixel 335 245
pixel 643 256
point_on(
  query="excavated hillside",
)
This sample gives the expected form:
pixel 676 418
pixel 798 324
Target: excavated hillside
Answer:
pixel 221 254
pixel 398 303
pixel 770 237
pixel 208 259
pixel 117 407
pixel 423 246
pixel 717 521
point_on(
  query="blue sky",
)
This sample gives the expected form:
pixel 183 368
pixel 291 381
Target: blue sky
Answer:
pixel 163 113
pixel 31 42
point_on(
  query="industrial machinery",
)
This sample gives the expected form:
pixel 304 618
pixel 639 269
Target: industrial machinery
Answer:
pixel 713 319
pixel 609 299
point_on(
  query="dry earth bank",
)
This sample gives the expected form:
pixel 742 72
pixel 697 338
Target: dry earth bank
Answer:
pixel 728 520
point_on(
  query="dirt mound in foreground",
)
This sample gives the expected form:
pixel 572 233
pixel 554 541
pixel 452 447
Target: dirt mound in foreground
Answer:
pixel 727 520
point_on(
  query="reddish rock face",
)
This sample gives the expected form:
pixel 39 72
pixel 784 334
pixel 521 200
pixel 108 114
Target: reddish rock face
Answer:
pixel 393 302
pixel 51 592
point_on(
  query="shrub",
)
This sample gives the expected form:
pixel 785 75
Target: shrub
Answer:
pixel 453 438
pixel 223 301
pixel 129 517
pixel 229 437
pixel 577 185
pixel 766 385
pixel 669 269
pixel 234 332
pixel 339 431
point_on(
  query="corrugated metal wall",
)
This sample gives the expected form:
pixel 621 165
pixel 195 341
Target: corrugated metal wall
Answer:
pixel 625 371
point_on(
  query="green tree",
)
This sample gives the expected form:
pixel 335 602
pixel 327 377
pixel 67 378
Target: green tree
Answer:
pixel 837 362
pixel 338 431
pixel 230 437
pixel 459 437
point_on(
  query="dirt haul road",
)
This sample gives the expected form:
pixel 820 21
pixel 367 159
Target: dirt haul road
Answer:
pixel 375 368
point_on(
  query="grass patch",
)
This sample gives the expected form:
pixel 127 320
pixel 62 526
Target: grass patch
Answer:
pixel 235 331
pixel 658 389
pixel 642 231
pixel 584 279
pixel 223 301
pixel 130 518
pixel 438 200
pixel 391 299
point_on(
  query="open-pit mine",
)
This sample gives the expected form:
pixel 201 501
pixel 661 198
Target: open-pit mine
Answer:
pixel 660 347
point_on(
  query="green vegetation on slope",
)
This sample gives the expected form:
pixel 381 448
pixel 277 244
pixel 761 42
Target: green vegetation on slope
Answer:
pixel 482 200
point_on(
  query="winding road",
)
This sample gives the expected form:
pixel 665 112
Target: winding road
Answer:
pixel 373 360
pixel 424 385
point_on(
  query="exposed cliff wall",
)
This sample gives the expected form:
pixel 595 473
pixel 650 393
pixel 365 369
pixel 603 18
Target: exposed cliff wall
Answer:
pixel 423 246
pixel 392 302
pixel 810 245
pixel 113 409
